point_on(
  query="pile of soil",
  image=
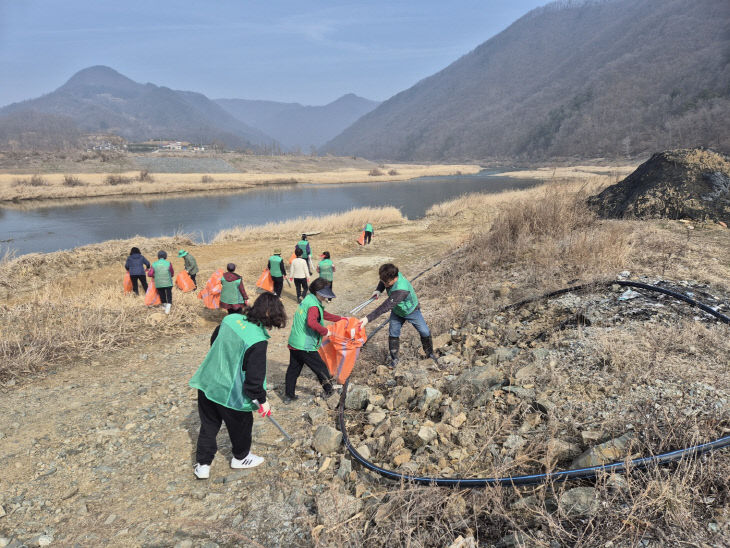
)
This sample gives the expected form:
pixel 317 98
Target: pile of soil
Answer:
pixel 674 184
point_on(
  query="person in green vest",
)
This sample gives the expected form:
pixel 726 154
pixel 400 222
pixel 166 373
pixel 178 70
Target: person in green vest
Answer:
pixel 325 268
pixel 305 339
pixel 231 382
pixel 162 272
pixel 233 294
pixel 368 233
pixel 278 271
pixel 191 265
pixel 402 303
pixel 303 244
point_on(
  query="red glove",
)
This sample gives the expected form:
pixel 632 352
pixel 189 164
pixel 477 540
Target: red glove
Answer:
pixel 265 409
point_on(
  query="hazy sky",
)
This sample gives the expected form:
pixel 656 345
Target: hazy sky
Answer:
pixel 308 51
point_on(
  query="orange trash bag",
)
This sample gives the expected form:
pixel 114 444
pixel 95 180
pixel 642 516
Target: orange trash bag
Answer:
pixel 127 283
pixel 184 282
pixel 341 347
pixel 152 298
pixel 265 281
pixel 211 294
pixel 361 239
pixel 291 259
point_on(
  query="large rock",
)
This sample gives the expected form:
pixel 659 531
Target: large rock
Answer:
pixel 430 398
pixel 477 378
pixel 357 397
pixel 580 501
pixel 402 395
pixel 333 507
pixel 326 439
pixel 610 451
pixel 558 450
pixel 426 435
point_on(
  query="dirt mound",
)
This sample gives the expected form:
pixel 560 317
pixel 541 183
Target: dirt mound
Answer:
pixel 675 184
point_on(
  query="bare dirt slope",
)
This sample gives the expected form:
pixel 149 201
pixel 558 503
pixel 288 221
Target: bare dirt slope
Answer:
pixel 100 452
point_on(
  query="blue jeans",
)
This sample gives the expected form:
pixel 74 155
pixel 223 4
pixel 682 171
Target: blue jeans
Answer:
pixel 415 317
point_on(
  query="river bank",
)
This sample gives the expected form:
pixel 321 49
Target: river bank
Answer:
pixel 111 464
pixel 45 187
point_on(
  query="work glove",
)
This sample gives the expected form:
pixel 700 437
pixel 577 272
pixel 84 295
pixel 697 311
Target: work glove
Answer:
pixel 265 409
pixel 363 321
pixel 375 295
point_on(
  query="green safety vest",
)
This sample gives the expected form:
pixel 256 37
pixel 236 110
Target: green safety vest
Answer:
pixel 275 266
pixel 302 244
pixel 302 336
pixel 410 303
pixel 368 227
pixel 191 265
pixel 221 375
pixel 325 269
pixel 230 293
pixel 162 273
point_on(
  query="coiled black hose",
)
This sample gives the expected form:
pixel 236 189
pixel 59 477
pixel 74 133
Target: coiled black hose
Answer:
pixel 563 475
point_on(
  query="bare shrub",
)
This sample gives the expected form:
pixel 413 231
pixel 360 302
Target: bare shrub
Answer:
pixel 375 172
pixel 72 180
pixel 392 172
pixel 117 180
pixel 34 180
pixel 206 179
pixel 145 177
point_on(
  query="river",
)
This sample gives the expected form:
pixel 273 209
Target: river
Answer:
pixel 55 227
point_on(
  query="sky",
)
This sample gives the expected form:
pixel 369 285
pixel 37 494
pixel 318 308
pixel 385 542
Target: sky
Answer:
pixel 305 51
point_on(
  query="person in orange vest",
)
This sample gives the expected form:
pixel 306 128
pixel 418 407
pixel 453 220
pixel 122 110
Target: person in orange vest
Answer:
pixel 233 294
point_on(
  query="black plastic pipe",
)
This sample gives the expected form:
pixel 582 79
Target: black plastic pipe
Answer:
pixel 562 475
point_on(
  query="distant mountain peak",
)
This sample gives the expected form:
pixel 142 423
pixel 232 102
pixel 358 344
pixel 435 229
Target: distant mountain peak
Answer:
pixel 99 75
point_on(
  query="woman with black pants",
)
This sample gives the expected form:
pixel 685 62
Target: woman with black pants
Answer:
pixel 137 266
pixel 231 382
pixel 306 338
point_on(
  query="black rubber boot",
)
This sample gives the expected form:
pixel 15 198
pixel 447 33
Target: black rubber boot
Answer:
pixel 328 388
pixel 427 343
pixel 393 347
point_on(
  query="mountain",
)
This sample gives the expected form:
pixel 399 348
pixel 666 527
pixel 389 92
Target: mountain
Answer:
pixel 100 100
pixel 298 126
pixel 588 79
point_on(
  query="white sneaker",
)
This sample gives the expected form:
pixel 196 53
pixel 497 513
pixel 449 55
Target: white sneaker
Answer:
pixel 201 471
pixel 249 461
pixel 167 308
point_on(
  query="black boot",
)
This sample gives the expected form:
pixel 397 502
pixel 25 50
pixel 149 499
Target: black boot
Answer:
pixel 427 343
pixel 328 388
pixel 393 347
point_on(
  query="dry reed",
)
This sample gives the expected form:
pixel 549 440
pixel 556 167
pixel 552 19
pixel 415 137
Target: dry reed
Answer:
pixel 353 219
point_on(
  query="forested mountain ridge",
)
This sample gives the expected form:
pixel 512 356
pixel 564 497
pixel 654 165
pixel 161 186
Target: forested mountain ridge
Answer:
pixel 572 79
pixel 100 100
pixel 299 126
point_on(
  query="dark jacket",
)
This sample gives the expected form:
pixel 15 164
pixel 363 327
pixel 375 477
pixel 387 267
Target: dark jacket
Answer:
pixel 136 263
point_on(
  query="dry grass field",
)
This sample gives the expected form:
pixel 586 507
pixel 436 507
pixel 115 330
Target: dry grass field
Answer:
pixel 655 370
pixel 18 187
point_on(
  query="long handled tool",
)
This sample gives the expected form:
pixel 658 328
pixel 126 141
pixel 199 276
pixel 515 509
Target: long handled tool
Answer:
pixel 273 420
pixel 362 305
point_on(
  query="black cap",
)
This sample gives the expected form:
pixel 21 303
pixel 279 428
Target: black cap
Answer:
pixel 326 293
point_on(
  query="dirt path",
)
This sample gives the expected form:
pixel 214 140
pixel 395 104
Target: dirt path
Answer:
pixel 100 453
